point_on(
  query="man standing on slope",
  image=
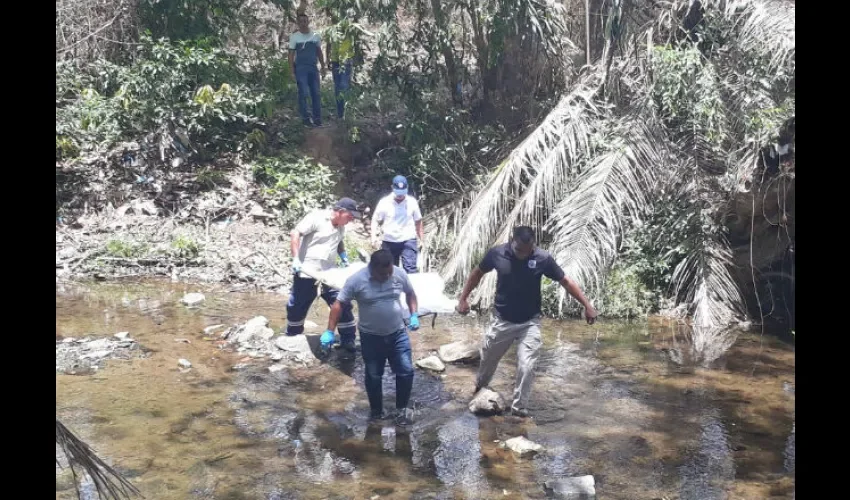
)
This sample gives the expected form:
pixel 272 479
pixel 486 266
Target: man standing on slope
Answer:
pixel 519 265
pixel 383 336
pixel 315 242
pixel 304 51
pixel 399 217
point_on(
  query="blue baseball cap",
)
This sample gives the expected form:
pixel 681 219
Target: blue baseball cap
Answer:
pixel 400 185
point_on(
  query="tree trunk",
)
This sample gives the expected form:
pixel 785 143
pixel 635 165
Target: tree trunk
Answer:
pixel 483 55
pixel 448 53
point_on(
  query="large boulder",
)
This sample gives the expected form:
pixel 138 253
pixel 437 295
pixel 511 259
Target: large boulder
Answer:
pixel 487 402
pixel 462 350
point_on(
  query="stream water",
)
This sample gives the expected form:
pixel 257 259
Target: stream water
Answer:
pixel 608 400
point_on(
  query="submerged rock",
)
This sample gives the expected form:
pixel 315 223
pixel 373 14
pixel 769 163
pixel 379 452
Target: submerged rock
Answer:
pixel 192 299
pixel 522 446
pixel 572 487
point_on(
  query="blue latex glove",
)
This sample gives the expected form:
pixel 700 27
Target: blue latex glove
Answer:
pixel 296 265
pixel 414 321
pixel 344 258
pixel 326 340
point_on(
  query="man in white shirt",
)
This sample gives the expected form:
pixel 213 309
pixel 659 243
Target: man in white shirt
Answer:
pixel 400 219
pixel 316 242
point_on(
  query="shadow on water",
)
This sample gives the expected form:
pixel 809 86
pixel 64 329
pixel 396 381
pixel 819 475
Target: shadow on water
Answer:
pixel 618 401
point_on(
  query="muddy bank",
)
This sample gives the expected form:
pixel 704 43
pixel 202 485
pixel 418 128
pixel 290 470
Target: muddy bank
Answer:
pixel 607 402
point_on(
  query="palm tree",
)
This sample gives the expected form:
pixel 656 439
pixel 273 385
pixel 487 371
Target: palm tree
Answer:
pixel 680 115
pixel 107 481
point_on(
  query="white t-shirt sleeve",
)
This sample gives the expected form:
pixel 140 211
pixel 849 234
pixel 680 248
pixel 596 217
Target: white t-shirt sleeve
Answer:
pixel 415 212
pixel 381 210
pixel 292 42
pixel 307 224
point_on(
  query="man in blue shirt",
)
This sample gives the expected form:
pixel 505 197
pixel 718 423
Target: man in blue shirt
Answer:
pixel 304 51
pixel 383 335
pixel 520 266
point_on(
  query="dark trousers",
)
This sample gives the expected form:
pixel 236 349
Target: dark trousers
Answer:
pixel 377 350
pixel 404 250
pixel 342 81
pixel 301 297
pixel 308 82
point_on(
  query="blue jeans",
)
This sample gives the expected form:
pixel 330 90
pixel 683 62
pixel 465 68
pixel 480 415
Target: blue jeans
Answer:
pixel 342 82
pixel 307 79
pixel 301 297
pixel 406 251
pixel 377 350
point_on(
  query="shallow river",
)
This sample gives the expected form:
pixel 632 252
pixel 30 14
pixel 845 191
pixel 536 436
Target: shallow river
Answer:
pixel 608 401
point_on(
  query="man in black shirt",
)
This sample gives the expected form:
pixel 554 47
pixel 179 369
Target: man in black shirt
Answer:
pixel 520 266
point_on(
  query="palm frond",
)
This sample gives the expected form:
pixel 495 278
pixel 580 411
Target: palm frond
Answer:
pixel 589 222
pixel 439 228
pixel 107 481
pixel 704 281
pixel 767 28
pixel 554 146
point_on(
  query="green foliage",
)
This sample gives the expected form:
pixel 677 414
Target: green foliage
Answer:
pixel 185 247
pixel 126 249
pixel 294 184
pixel 188 85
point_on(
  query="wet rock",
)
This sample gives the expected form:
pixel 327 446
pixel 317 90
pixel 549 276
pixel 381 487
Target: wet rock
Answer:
pixel 296 348
pixel 294 344
pixel 459 351
pixel 487 402
pixel 572 487
pixel 84 356
pixel 255 329
pixel 431 363
pixel 211 329
pixel 121 335
pixel 522 446
pixel 184 363
pixel 192 299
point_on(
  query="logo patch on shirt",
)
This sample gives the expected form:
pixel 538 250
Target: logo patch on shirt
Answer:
pixel 532 264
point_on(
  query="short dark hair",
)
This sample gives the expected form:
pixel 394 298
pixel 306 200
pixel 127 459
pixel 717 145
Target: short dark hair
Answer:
pixel 524 234
pixel 381 258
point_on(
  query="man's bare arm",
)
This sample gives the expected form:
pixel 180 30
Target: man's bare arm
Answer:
pixel 412 303
pixel 573 289
pixel 333 317
pixel 471 283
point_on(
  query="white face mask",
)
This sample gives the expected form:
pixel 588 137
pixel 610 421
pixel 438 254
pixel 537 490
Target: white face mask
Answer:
pixel 400 192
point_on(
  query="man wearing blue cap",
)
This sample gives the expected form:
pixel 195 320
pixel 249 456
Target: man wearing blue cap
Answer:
pixel 400 219
pixel 316 241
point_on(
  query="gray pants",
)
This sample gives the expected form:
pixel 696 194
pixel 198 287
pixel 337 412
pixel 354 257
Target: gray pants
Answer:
pixel 500 336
